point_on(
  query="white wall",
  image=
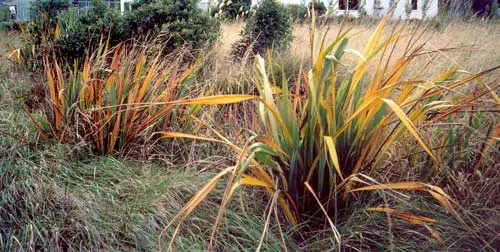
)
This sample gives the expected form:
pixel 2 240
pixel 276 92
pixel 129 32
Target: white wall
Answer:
pixel 425 9
pixel 326 2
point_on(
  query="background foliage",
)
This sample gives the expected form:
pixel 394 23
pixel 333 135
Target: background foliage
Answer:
pixel 270 27
pixel 232 9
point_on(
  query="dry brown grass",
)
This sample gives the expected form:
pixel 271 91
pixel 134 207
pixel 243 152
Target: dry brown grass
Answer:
pixel 476 43
pixel 473 49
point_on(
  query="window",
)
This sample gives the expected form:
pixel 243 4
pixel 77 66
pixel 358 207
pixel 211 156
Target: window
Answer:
pixel 350 4
pixel 127 6
pixel 414 4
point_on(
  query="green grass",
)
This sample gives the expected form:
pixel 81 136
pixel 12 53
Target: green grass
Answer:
pixel 103 203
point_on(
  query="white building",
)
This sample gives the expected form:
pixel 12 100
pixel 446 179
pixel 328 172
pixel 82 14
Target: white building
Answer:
pixel 403 9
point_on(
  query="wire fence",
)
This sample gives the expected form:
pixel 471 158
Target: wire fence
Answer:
pixel 23 7
pixel 84 6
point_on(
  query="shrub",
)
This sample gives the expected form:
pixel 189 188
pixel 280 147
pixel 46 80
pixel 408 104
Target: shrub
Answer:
pixel 301 12
pixel 182 23
pixel 80 33
pixel 319 7
pixel 4 13
pixel 270 27
pixel 6 26
pixel 298 12
pixel 72 34
pixel 229 9
pixel 48 9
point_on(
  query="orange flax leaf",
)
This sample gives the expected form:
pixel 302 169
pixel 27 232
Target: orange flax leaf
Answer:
pixel 53 94
pixel 415 219
pixel 115 132
pixel 60 84
pixel 116 60
pixel 215 100
pixel 147 81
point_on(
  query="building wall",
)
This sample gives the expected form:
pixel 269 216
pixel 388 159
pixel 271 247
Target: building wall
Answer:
pixel 23 9
pixel 425 8
pixel 402 9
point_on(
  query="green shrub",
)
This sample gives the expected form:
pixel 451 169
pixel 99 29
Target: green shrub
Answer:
pixel 4 13
pixel 495 8
pixel 233 9
pixel 71 34
pixel 301 12
pixel 297 11
pixel 270 27
pixel 183 23
pixel 319 7
pixel 81 33
pixel 6 25
pixel 48 9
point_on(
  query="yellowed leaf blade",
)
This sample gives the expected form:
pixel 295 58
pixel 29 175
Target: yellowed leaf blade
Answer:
pixel 249 180
pixel 415 219
pixel 269 142
pixel 409 125
pixel 334 229
pixel 434 234
pixel 216 100
pixel 435 191
pixel 395 186
pixel 170 134
pixel 333 155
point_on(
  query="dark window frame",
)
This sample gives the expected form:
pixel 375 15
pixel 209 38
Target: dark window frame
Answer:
pixel 414 4
pixel 351 4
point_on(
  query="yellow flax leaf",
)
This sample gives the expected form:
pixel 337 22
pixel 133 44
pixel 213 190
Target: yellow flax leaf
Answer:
pixel 216 100
pixel 169 134
pixel 409 125
pixel 333 155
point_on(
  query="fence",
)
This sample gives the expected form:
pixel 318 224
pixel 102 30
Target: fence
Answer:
pixel 23 7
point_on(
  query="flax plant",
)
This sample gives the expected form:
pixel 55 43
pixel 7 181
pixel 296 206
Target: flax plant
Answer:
pixel 118 98
pixel 324 138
